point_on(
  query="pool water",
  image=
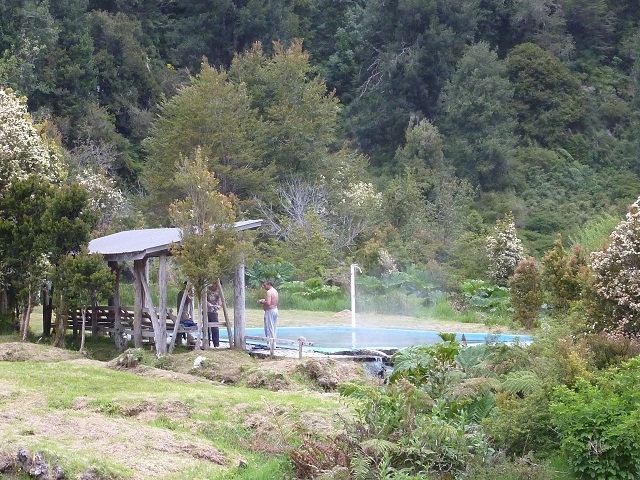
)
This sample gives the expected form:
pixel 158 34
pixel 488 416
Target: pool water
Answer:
pixel 331 339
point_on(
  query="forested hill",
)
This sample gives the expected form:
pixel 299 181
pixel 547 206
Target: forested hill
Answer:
pixel 436 116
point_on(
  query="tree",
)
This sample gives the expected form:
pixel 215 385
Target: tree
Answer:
pixel 477 119
pixel 527 295
pixel 82 279
pixel 564 274
pixel 504 249
pixel 617 277
pixel 299 114
pixel 209 246
pixel 546 97
pixel 24 151
pixel 214 114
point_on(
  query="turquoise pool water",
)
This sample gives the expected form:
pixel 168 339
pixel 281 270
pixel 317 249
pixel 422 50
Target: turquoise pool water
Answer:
pixel 331 339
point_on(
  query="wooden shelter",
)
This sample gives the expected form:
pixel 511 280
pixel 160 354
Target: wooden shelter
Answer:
pixel 141 245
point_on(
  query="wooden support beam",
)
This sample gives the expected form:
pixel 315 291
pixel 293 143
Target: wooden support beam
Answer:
pixel 226 313
pixel 239 319
pixel 138 301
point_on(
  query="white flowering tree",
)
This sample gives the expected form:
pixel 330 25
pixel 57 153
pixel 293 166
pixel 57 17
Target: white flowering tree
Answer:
pixel 104 196
pixel 617 271
pixel 39 219
pixel 24 152
pixel 504 250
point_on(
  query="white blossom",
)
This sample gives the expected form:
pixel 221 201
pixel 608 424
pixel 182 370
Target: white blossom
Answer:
pixel 504 249
pixel 617 267
pixel 23 152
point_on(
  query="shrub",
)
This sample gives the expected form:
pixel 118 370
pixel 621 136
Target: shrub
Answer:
pixel 599 425
pixel 525 287
pixel 486 297
pixel 504 250
pixel 617 272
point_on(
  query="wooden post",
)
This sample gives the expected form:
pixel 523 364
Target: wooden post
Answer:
pixel 203 335
pixel 118 330
pixel 159 325
pixel 239 320
pixel 162 286
pixel 138 275
pixel 177 325
pixel 226 313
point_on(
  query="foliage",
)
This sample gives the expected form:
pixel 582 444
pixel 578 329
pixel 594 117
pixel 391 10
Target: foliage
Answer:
pixel 230 140
pixel 278 273
pixel 504 249
pixel 525 292
pixel 564 274
pixel 478 118
pixel 81 279
pixel 598 423
pixel 616 274
pixel 429 367
pixel 485 296
pixel 24 151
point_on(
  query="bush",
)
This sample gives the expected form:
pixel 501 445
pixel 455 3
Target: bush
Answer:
pixel 599 425
pixel 486 297
pixel 525 287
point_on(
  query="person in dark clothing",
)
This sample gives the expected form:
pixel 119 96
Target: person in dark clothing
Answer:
pixel 213 304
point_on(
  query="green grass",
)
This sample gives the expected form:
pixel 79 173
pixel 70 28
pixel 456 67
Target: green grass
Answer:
pixel 209 414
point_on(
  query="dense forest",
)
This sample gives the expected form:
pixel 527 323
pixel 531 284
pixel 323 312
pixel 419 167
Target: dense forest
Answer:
pixel 403 126
pixel 469 156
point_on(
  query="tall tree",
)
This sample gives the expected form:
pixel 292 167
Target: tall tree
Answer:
pixel 214 114
pixel 546 96
pixel 477 119
pixel 209 246
pixel 293 102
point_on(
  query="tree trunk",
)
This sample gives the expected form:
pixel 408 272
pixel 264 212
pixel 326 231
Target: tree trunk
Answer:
pixel 204 321
pixel 83 312
pixel 25 317
pixel 61 323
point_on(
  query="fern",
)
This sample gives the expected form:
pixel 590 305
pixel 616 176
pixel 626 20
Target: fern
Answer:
pixel 481 407
pixel 378 447
pixel 522 382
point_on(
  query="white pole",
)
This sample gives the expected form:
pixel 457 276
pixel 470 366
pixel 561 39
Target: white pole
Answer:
pixel 353 295
pixel 353 304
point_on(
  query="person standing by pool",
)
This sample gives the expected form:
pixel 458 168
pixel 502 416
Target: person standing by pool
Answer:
pixel 213 303
pixel 270 306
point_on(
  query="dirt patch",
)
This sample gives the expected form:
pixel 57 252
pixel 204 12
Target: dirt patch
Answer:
pixel 155 452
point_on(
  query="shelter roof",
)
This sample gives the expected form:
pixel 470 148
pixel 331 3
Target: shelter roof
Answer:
pixel 149 242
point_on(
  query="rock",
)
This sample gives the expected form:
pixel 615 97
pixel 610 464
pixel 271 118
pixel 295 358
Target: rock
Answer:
pixel 198 361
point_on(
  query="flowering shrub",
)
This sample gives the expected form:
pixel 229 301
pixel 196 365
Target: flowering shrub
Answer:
pixel 504 249
pixel 22 150
pixel 617 271
pixel 104 196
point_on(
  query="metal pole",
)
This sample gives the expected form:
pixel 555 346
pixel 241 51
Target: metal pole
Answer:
pixel 353 295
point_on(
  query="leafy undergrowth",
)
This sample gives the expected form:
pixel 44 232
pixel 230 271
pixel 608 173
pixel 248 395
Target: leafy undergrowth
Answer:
pixel 233 416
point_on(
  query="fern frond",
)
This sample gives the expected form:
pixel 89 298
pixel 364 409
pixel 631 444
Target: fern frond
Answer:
pixel 522 382
pixel 377 447
pixel 481 407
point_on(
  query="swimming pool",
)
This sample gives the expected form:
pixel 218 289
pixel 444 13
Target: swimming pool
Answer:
pixel 331 339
